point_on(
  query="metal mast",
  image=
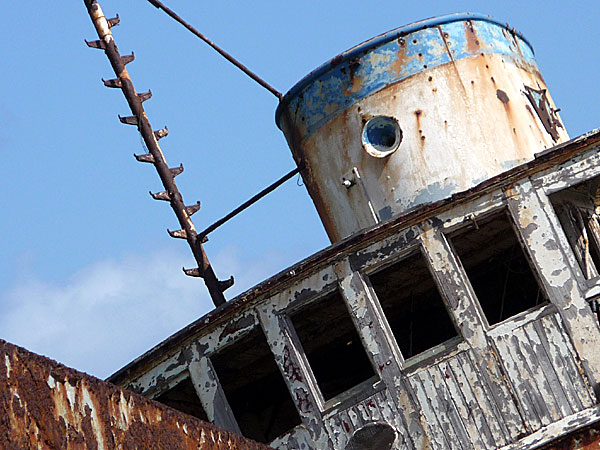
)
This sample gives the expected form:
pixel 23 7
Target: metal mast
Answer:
pixel 155 156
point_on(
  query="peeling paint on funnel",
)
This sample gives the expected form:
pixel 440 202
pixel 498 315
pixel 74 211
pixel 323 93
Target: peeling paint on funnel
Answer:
pixel 459 87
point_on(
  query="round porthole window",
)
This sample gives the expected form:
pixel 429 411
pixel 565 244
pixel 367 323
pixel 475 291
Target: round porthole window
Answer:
pixel 381 136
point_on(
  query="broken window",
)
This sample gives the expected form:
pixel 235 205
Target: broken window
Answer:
pixel 332 345
pixel 183 398
pixel 497 268
pixel 413 306
pixel 577 209
pixel 254 387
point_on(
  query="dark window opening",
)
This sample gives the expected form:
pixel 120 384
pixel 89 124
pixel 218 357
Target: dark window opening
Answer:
pixel 255 389
pixel 577 209
pixel 332 345
pixel 497 268
pixel 183 398
pixel 413 306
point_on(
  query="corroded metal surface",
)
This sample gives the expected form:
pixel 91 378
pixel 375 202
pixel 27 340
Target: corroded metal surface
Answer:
pixel 155 155
pixel 580 431
pixel 455 86
pixel 584 440
pixel 45 405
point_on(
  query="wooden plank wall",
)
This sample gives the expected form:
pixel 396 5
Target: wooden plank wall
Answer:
pixel 459 407
pixel 541 365
pixel 499 388
pixel 379 407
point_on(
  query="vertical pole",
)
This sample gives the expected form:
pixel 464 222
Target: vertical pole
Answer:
pixel 167 175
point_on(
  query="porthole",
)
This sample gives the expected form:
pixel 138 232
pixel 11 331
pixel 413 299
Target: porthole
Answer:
pixel 381 136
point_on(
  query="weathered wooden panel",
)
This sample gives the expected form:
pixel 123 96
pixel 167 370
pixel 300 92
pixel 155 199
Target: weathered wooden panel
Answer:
pixel 530 392
pixel 296 439
pixel 459 406
pixel 556 276
pixel 380 344
pixel 540 363
pixel 379 407
pixel 480 414
pixel 567 366
pixel 294 368
pixel 170 369
pixel 484 373
pixel 211 395
pixel 577 169
pixel 443 406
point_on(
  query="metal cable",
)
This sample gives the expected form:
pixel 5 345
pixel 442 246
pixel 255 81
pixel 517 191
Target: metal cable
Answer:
pixel 226 55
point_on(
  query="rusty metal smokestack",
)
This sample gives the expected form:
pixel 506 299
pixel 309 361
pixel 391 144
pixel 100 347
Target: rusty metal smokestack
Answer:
pixel 414 116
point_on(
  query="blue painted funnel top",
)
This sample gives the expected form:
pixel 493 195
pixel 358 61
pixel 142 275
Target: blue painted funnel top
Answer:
pixel 393 56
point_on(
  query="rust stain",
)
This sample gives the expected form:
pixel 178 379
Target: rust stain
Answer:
pixel 502 96
pixel 46 405
pixel 356 80
pixel 346 426
pixel 401 59
pixel 418 115
pixel 473 44
pixel 292 372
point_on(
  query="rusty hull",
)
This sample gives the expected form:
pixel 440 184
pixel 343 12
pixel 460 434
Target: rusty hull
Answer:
pixel 45 405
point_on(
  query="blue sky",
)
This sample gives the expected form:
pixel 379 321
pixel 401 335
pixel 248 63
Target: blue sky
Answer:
pixel 88 274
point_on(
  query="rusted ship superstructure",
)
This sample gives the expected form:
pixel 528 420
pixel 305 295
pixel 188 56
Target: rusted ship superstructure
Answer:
pixel 456 307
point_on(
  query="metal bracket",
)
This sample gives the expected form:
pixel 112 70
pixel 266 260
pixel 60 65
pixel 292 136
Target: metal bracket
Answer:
pixel 192 209
pixel 352 178
pixel 348 180
pixel 226 284
pixel 129 120
pixel 176 170
pixel 162 195
pixel 143 96
pixel 146 157
pixel 113 83
pixel 192 272
pixel 177 234
pixel 126 59
pixel 159 134
pixel 546 114
pixel 113 21
pixel 99 44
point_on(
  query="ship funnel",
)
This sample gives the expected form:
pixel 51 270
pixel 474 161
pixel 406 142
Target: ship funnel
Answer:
pixel 414 116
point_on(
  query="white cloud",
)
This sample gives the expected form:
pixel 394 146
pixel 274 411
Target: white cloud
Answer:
pixel 107 314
